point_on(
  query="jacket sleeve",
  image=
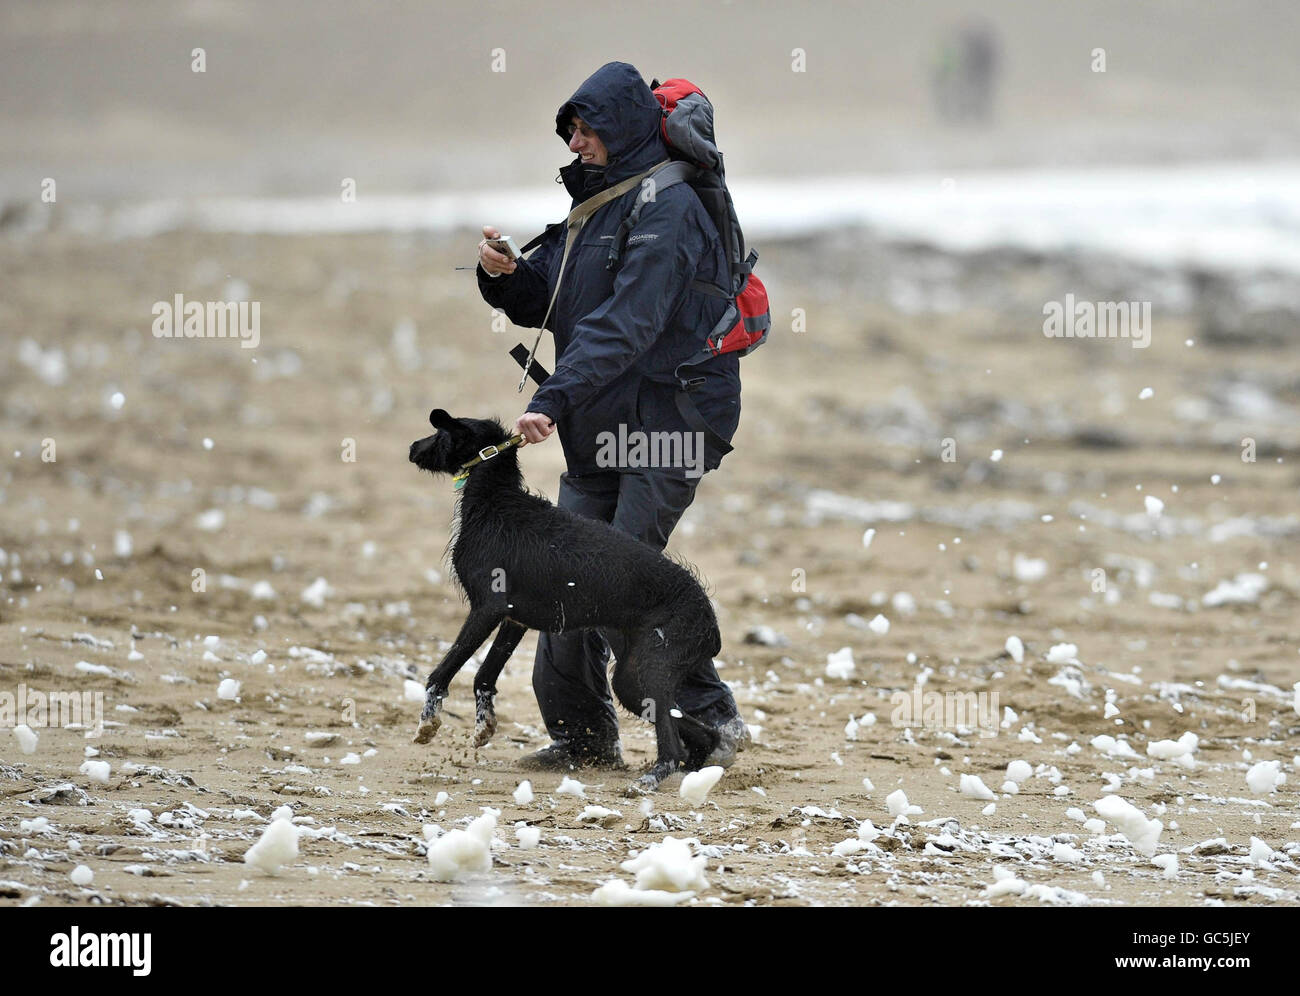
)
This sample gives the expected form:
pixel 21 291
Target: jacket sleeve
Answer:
pixel 524 294
pixel 660 259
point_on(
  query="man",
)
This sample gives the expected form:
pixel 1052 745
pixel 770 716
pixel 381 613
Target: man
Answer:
pixel 619 337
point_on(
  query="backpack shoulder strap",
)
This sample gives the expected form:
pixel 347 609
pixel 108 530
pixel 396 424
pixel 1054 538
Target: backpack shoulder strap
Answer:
pixel 578 217
pixel 661 178
pixel 574 222
pixel 673 173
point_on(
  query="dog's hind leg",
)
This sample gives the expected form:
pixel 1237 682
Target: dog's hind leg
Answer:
pixel 671 756
pixel 485 681
pixel 477 628
pixel 646 678
pixel 625 682
pixel 701 740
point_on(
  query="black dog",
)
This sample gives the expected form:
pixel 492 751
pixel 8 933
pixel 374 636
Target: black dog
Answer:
pixel 525 564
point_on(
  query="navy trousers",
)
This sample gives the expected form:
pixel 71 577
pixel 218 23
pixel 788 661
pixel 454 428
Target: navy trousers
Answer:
pixel 570 670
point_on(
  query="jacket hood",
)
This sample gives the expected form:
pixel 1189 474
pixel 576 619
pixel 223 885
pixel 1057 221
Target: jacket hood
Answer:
pixel 618 105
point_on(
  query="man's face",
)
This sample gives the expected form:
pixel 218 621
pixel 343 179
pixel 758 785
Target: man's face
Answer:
pixel 585 143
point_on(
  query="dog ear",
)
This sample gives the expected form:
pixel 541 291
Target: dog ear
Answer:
pixel 439 419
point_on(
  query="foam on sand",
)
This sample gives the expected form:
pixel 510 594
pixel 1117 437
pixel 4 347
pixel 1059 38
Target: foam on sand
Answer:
pixel 571 786
pixel 1019 771
pixel 27 738
pixel 1142 833
pixel 96 771
pixel 973 786
pixel 619 893
pixel 897 804
pixel 840 664
pixel 1265 777
pixel 669 866
pixel 696 785
pixel 277 846
pixel 459 853
pixel 1180 750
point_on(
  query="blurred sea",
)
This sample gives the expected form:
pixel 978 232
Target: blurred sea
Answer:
pixel 1215 217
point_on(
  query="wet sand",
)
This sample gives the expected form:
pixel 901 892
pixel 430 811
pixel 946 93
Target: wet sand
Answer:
pixel 844 430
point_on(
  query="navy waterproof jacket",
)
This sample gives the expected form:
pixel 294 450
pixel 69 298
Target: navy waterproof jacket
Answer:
pixel 619 336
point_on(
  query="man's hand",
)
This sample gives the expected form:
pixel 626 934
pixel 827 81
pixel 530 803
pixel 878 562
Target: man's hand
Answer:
pixel 495 263
pixel 534 426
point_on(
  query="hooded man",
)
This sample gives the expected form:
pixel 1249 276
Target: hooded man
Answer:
pixel 619 338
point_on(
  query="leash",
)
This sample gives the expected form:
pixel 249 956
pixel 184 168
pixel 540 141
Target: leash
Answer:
pixel 486 453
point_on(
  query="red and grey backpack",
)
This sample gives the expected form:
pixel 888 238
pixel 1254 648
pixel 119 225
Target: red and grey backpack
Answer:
pixel 687 129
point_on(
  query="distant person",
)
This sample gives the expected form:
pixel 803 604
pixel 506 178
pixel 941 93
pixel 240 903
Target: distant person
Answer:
pixel 619 337
pixel 965 74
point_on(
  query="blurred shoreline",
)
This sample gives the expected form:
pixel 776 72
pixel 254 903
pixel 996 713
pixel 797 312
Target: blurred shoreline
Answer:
pixel 1220 242
pixel 1215 217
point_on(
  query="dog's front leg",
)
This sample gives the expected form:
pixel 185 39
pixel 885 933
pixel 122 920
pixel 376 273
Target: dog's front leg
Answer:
pixel 471 636
pixel 485 682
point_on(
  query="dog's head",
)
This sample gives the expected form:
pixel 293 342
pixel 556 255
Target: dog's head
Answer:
pixel 457 441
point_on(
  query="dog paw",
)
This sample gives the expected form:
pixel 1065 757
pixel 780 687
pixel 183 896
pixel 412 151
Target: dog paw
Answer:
pixel 651 780
pixel 427 729
pixel 430 717
pixel 485 716
pixel 645 785
pixel 484 729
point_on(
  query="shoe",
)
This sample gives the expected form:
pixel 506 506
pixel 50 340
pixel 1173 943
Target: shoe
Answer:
pixel 733 737
pixel 564 756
